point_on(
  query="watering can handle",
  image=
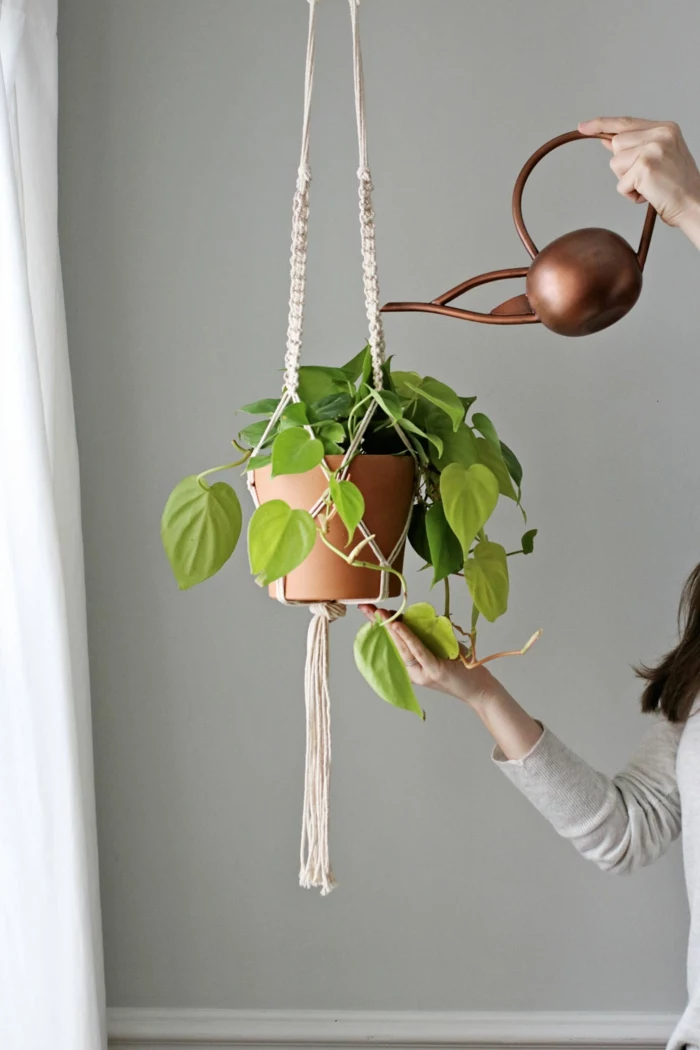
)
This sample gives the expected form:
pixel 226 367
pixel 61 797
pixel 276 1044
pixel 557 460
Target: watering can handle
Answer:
pixel 561 140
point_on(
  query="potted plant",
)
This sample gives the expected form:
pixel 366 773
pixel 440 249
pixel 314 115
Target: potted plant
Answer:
pixel 326 528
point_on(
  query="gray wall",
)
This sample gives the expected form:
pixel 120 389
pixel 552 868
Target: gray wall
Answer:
pixel 179 144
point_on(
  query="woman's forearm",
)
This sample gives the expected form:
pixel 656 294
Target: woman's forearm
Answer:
pixel 690 224
pixel 512 728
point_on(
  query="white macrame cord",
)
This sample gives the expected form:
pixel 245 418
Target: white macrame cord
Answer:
pixel 315 865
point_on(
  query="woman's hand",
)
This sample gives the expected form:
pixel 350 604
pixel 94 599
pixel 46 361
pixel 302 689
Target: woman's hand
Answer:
pixel 426 669
pixel 652 163
pixel 509 725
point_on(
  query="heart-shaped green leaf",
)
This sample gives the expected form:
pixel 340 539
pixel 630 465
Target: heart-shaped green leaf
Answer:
pixel 317 381
pixel 435 632
pixel 490 456
pixel 279 539
pixel 405 384
pixel 446 554
pixel 528 541
pixel 511 461
pixel 295 415
pixel 417 535
pixel 440 395
pixel 333 407
pixel 256 462
pixel 469 497
pixel 388 402
pixel 436 441
pixel 458 446
pixel 349 502
pixel 353 369
pixel 379 663
pixel 331 432
pixel 486 428
pixel 252 434
pixel 261 408
pixel 200 528
pixel 486 574
pixel 294 451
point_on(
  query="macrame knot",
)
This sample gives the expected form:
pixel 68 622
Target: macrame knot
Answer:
pixel 303 176
pixel 365 175
pixel 330 611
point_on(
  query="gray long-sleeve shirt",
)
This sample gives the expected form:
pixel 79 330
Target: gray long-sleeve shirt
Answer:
pixel 624 822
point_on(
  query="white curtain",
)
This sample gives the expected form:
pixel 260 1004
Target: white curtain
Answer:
pixel 51 971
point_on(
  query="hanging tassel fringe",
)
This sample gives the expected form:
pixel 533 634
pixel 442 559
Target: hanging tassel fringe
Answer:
pixel 315 867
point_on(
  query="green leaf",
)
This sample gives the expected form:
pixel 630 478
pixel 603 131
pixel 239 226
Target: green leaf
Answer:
pixel 486 574
pixel 446 555
pixel 437 442
pixel 256 462
pixel 279 539
pixel 528 541
pixel 417 535
pixel 350 504
pixel 353 369
pixel 442 396
pixel 491 457
pixel 200 528
pixel 378 661
pixel 435 632
pixel 486 428
pixel 511 462
pixel 388 402
pixel 261 408
pixel 294 451
pixel 332 407
pixel 467 402
pixel 366 368
pixel 332 432
pixel 458 446
pixel 405 383
pixel 331 449
pixel 317 381
pixel 470 497
pixel 295 414
pixel 253 433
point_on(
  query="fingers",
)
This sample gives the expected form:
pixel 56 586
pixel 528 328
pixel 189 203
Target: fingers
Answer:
pixel 614 125
pixel 405 652
pixel 627 186
pixel 406 639
pixel 411 650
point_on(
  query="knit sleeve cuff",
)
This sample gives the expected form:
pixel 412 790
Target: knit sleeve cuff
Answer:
pixel 546 768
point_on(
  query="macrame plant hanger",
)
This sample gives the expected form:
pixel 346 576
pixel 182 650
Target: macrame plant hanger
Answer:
pixel 315 864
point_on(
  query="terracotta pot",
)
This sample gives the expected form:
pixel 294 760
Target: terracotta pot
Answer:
pixel 387 484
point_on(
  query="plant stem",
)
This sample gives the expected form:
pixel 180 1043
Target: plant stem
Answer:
pixel 446 581
pixel 224 466
pixel 350 560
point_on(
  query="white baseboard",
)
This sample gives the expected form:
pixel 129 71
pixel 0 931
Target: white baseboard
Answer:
pixel 150 1029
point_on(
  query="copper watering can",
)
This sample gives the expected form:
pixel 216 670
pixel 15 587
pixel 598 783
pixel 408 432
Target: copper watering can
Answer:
pixel 579 284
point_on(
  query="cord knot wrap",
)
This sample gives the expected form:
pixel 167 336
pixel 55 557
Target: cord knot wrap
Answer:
pixel 315 862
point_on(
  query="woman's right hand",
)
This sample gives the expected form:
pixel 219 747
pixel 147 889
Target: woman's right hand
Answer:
pixel 511 727
pixel 474 687
pixel 653 163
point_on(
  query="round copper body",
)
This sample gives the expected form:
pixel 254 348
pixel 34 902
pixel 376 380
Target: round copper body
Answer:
pixel 584 281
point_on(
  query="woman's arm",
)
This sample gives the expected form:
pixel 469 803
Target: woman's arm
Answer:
pixel 653 163
pixel 619 823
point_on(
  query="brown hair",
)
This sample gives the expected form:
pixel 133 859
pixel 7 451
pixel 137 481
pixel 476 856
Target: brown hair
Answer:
pixel 672 686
